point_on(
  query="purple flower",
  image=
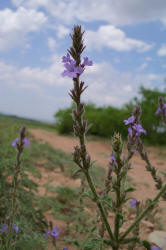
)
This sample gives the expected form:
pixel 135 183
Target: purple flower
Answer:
pixel 113 160
pixel 26 142
pixel 133 202
pixel 138 129
pixel 65 248
pixel 130 131
pixel 159 110
pixel 86 62
pixel 14 143
pixel 155 248
pixel 15 228
pixel 55 232
pixel 72 70
pixel 4 228
pixel 66 59
pixel 130 120
pixel 47 234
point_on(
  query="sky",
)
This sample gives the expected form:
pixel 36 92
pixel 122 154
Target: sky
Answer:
pixel 125 39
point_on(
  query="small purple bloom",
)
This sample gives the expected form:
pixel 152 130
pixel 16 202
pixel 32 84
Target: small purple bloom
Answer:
pixel 155 248
pixel 130 120
pixel 14 143
pixel 159 110
pixel 4 228
pixel 47 234
pixel 15 228
pixel 65 248
pixel 130 131
pixel 66 59
pixel 55 232
pixel 138 129
pixel 72 70
pixel 87 62
pixel 26 142
pixel 113 160
pixel 133 202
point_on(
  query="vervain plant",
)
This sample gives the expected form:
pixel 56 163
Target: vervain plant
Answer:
pixel 115 195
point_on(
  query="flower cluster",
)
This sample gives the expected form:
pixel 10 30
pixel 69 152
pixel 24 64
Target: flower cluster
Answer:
pixel 161 110
pixel 5 228
pixel 26 142
pixel 134 127
pixel 72 70
pixel 54 233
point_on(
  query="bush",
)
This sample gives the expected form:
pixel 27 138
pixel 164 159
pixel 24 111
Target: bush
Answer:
pixel 105 120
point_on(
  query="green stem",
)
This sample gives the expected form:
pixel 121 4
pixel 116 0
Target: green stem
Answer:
pixel 143 213
pixel 100 207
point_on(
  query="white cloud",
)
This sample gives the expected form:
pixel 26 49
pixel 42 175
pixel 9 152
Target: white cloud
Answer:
pixel 142 66
pixel 62 31
pixel 121 12
pixel 148 59
pixel 51 43
pixel 162 50
pixel 15 25
pixel 108 86
pixel 114 38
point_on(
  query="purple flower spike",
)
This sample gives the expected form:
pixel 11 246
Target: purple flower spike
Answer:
pixel 130 120
pixel 15 228
pixel 133 202
pixel 4 228
pixel 47 234
pixel 87 62
pixel 155 248
pixel 26 142
pixel 55 232
pixel 14 143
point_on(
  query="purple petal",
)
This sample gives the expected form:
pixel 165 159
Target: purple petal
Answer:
pixel 130 131
pixel 55 232
pixel 155 248
pixel 15 228
pixel 4 228
pixel 130 120
pixel 133 202
pixel 47 234
pixel 14 143
pixel 113 160
pixel 26 142
pixel 158 111
pixel 87 62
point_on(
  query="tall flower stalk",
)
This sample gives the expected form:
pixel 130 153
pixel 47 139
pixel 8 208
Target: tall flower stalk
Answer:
pixel 119 165
pixel 19 143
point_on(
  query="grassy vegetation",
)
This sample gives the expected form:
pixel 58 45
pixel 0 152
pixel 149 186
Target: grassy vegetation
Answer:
pixel 61 202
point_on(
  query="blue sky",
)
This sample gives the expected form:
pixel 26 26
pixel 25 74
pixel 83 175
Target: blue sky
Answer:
pixel 126 39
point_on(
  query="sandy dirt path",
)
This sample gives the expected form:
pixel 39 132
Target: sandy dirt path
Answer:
pixel 100 152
